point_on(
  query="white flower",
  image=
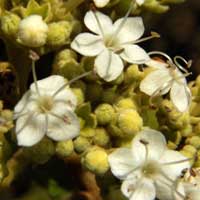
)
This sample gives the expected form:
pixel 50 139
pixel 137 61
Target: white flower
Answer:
pixel 103 3
pixel 46 110
pixel 167 78
pixel 148 167
pixel 32 31
pixel 111 43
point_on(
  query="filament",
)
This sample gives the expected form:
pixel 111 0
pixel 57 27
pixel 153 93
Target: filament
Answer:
pixel 162 54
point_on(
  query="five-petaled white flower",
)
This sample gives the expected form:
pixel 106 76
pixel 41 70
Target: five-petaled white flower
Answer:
pixel 148 167
pixel 111 43
pixel 102 3
pixel 46 109
pixel 165 78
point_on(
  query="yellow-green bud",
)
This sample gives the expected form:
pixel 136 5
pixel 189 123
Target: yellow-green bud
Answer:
pixel 64 148
pixel 133 74
pixel 129 121
pixel 32 31
pixel 197 163
pixel 115 131
pixel 189 151
pixel 194 141
pixel 79 95
pixel 109 95
pixel 104 113
pixel 126 103
pixel 41 152
pixel 96 160
pixel 59 33
pixel 187 131
pixel 101 137
pixel 81 144
pixel 195 109
pixel 87 132
pixel 118 80
pixel 10 24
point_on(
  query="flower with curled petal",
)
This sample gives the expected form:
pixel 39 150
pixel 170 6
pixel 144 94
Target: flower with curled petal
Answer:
pixel 167 77
pixel 148 167
pixel 45 109
pixel 111 43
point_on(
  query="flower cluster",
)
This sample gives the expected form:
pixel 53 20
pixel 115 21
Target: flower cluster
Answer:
pixel 108 103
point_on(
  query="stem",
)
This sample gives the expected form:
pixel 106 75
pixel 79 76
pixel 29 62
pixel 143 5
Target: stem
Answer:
pixel 72 4
pixel 72 81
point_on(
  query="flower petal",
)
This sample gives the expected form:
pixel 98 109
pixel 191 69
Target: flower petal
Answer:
pixel 108 65
pixel 63 127
pixel 30 129
pixel 181 96
pixel 156 64
pixel 142 189
pixel 140 2
pixel 155 146
pixel 49 85
pixel 101 3
pixel 173 170
pixel 98 22
pixel 156 82
pixel 134 54
pixel 88 44
pixel 121 162
pixel 129 30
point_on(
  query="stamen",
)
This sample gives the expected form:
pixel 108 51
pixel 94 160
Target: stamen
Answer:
pixel 177 162
pixel 122 23
pixel 145 143
pixel 187 63
pixel 71 81
pixel 161 54
pixel 34 57
pixel 63 118
pixel 153 35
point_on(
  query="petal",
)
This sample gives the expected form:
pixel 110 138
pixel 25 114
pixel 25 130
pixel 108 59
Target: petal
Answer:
pixel 134 54
pixel 108 65
pixel 101 3
pixel 155 146
pixel 166 190
pixel 22 104
pixel 142 189
pixel 30 129
pixel 140 2
pixel 63 127
pixel 64 100
pixel 171 168
pixel 181 96
pixel 129 30
pixel 88 44
pixel 121 162
pixel 98 22
pixel 156 82
pixel 49 85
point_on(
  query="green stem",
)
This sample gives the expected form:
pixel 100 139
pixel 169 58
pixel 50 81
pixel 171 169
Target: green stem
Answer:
pixel 72 4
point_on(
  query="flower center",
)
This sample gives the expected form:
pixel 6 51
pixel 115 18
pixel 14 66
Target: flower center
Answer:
pixel 111 43
pixel 151 169
pixel 45 104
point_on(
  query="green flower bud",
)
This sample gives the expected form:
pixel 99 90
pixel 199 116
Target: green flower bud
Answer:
pixel 81 144
pixel 59 33
pixel 194 141
pixel 66 65
pixel 96 160
pixel 3 171
pixel 41 152
pixel 133 74
pixel 118 80
pixel 101 137
pixel 129 121
pixel 126 103
pixel 104 113
pixel 79 95
pixel 187 131
pixel 195 109
pixel 32 31
pixel 109 95
pixel 10 24
pixel 87 132
pixel 115 131
pixel 197 129
pixel 189 151
pixel 64 148
pixel 197 163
